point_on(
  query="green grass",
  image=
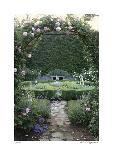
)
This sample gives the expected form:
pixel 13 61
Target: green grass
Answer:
pixel 65 86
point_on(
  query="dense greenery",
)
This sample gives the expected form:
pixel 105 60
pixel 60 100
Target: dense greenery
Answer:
pixel 69 89
pixel 59 51
pixel 77 51
pixel 85 112
pixel 64 85
pixel 38 51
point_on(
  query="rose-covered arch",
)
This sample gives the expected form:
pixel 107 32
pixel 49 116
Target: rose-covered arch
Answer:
pixel 28 35
pixel 32 32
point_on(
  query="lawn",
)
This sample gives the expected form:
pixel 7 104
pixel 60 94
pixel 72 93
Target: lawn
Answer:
pixel 63 85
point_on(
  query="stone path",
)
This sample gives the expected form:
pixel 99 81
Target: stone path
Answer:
pixel 60 128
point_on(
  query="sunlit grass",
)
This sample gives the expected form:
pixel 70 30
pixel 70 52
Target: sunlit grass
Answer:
pixel 65 85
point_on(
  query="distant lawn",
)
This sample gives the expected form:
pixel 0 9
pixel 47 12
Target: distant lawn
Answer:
pixel 64 85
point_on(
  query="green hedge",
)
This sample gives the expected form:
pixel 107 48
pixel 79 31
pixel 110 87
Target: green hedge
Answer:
pixel 66 95
pixel 46 94
pixel 73 94
pixel 76 113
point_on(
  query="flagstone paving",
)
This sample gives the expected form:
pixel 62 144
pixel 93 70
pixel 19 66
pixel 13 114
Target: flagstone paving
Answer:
pixel 60 128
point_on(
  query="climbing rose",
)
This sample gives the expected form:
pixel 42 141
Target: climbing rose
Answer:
pixel 33 29
pixel 87 109
pixel 24 34
pixel 70 27
pixel 24 114
pixel 38 30
pixel 57 24
pixel 32 34
pixel 23 72
pixel 58 29
pixel 29 55
pixel 19 49
pixel 15 70
pixel 46 29
pixel 28 110
pixel 37 23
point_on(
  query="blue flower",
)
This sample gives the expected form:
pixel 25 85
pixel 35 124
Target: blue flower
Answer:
pixel 41 120
pixel 38 129
pixel 45 127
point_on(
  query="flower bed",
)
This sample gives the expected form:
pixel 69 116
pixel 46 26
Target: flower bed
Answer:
pixel 27 112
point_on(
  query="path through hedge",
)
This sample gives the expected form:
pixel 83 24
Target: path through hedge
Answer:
pixel 60 128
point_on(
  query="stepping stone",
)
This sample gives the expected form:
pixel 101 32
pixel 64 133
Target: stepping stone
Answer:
pixel 68 136
pixel 43 139
pixel 57 135
pixel 55 139
pixel 67 123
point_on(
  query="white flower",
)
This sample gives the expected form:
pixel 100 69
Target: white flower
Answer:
pixel 69 23
pixel 32 34
pixel 38 30
pixel 35 81
pixel 27 110
pixel 23 72
pixel 29 55
pixel 57 24
pixel 24 34
pixel 37 23
pixel 58 29
pixel 33 29
pixel 15 70
pixel 19 49
pixel 24 114
pixel 70 27
pixel 46 29
pixel 87 109
pixel 26 22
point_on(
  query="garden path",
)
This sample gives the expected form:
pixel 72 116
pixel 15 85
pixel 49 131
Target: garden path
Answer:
pixel 60 128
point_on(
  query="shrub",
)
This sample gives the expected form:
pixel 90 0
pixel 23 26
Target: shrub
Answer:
pixel 26 83
pixel 79 112
pixel 73 94
pixel 91 100
pixel 41 107
pixel 94 125
pixel 75 112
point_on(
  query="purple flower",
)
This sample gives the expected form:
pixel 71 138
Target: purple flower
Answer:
pixel 41 120
pixel 38 129
pixel 45 126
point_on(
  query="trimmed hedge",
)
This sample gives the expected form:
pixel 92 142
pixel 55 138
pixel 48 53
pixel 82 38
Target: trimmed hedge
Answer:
pixel 66 95
pixel 73 94
pixel 45 94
